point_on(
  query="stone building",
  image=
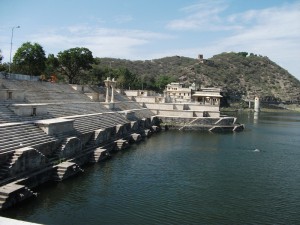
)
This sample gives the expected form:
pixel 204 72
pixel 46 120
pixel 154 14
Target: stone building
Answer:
pixel 180 101
pixel 175 92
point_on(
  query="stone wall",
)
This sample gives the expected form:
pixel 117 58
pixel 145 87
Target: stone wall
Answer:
pixel 177 113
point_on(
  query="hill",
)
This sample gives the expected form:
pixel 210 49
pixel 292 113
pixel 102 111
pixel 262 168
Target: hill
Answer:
pixel 240 75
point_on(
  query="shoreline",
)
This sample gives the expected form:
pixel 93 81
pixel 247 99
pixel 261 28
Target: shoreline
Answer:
pixel 288 110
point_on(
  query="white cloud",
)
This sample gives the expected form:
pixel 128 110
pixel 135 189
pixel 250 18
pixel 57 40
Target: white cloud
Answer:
pixel 102 41
pixel 272 32
pixel 204 15
pixel 121 19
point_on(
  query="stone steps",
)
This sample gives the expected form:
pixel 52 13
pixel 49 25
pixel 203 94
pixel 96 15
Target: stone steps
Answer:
pixel 66 170
pixel 99 155
pixel 26 144
pixel 91 123
pixel 121 144
pixel 21 135
pixel 11 194
pixel 17 134
pixel 76 109
pixel 6 115
pixel 21 141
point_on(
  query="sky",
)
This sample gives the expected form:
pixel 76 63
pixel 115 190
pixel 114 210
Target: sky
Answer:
pixel 151 29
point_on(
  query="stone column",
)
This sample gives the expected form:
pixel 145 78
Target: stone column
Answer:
pixel 112 84
pixel 256 104
pixel 107 85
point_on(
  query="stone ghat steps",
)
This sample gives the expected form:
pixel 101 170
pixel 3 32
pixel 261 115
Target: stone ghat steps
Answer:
pixel 19 128
pixel 22 135
pixel 37 86
pixel 4 168
pixel 66 170
pixel 6 115
pixel 12 193
pixel 23 141
pixel 120 98
pixel 76 109
pixel 58 97
pixel 120 106
pixel 91 123
pixel 41 117
pixel 143 113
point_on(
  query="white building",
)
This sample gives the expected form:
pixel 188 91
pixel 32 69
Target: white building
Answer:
pixel 181 102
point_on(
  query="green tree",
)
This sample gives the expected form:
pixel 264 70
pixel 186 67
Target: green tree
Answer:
pixel 52 65
pixel 1 56
pixel 74 61
pixel 161 82
pixel 96 75
pixel 2 66
pixel 125 78
pixel 244 54
pixel 30 59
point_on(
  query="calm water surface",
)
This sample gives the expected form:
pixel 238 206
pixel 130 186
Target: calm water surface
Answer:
pixel 175 177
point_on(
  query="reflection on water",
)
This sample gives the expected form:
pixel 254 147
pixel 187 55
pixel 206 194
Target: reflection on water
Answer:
pixel 255 117
pixel 176 177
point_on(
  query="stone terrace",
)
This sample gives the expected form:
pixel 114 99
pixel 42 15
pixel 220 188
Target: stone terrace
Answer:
pixel 18 135
pixel 45 92
pixel 88 123
pixel 79 108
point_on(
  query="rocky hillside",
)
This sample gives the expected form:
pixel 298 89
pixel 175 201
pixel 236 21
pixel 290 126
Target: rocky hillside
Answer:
pixel 241 75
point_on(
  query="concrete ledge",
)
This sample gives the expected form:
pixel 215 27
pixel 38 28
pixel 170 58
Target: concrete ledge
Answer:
pixel 56 126
pixel 32 109
pixel 8 221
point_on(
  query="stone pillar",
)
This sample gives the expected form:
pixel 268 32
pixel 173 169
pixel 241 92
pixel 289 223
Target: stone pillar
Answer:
pixel 256 104
pixel 107 84
pixel 113 85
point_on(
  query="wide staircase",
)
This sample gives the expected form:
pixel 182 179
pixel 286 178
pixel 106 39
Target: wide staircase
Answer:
pixel 127 105
pixel 45 92
pixel 7 115
pixel 143 113
pixel 85 124
pixel 18 135
pixel 79 108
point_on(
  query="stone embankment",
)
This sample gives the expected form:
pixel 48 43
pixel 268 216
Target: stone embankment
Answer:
pixel 220 124
pixel 62 155
pixel 48 132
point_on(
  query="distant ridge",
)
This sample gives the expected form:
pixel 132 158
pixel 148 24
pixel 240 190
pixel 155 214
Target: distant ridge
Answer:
pixel 241 75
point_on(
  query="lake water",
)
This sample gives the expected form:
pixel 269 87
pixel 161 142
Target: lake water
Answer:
pixel 175 177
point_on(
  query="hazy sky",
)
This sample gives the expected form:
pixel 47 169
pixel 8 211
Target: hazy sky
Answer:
pixel 149 29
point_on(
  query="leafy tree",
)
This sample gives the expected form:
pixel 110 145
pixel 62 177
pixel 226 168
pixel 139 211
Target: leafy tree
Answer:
pixel 30 59
pixel 96 75
pixel 125 78
pixel 244 54
pixel 1 56
pixel 162 80
pixel 2 66
pixel 52 65
pixel 74 61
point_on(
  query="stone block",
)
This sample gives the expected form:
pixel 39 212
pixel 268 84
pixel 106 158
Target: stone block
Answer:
pixel 56 126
